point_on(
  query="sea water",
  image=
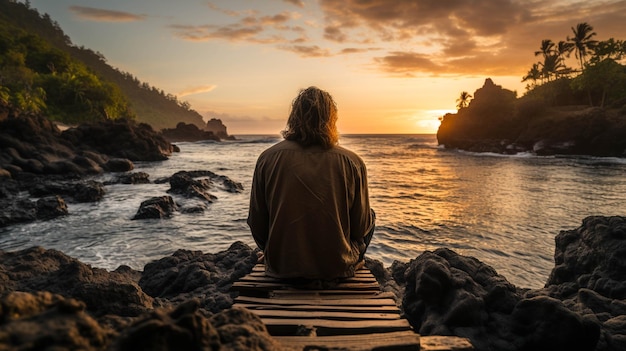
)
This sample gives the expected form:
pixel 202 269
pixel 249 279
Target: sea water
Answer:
pixel 502 210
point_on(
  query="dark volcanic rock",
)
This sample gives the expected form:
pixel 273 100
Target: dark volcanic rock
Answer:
pixel 119 165
pixel 182 183
pixel 83 191
pixel 43 320
pixel 495 121
pixel 186 274
pixel 120 138
pixel 51 207
pixel 187 132
pixel 184 328
pixel 582 306
pixel 103 292
pixel 156 208
pixel 131 178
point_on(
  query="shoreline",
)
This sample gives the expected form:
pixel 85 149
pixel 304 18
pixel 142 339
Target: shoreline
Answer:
pixel 439 292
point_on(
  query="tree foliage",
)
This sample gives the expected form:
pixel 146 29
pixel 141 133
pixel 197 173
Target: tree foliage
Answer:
pixel 41 71
pixel 600 78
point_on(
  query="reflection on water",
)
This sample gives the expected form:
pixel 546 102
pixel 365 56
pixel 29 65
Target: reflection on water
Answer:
pixel 503 210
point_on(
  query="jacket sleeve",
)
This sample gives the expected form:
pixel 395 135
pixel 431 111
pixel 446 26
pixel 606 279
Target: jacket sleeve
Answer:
pixel 361 218
pixel 258 214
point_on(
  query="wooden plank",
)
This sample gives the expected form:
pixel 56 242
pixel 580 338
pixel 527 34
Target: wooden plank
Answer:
pixel 376 300
pixel 260 277
pixel 445 343
pixel 241 285
pixel 397 341
pixel 322 327
pixel 334 315
pixel 326 294
pixel 315 308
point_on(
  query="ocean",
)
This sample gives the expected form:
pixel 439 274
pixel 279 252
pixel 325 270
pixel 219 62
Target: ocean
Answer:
pixel 504 210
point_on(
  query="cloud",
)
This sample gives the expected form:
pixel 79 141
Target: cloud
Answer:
pixel 307 50
pixel 298 3
pixel 460 37
pixel 197 90
pixel 101 15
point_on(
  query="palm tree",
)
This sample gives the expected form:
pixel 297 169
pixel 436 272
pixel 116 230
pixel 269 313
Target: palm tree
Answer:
pixel 582 41
pixel 533 74
pixel 547 47
pixel 463 100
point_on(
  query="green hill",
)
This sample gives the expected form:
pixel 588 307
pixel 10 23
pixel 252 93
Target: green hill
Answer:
pixel 41 71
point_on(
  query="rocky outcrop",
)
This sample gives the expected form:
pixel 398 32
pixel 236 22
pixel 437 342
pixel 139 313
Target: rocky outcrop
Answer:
pixel 52 300
pixel 495 121
pixel 582 306
pixel 156 208
pixel 188 132
pixel 185 185
pixel 35 156
pixel 185 299
pixel 185 274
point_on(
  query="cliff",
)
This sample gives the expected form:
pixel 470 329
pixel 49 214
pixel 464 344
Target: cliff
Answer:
pixel 496 121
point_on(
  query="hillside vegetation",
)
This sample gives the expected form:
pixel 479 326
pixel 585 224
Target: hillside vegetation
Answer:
pixel 42 72
pixel 565 110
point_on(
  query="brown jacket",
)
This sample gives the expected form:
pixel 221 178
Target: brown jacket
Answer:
pixel 309 210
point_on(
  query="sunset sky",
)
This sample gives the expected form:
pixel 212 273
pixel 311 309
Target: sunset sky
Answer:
pixel 392 66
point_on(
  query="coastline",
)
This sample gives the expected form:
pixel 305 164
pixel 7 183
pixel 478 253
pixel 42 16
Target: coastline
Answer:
pixel 47 295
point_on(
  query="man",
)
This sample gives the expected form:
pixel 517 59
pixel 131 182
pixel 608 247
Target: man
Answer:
pixel 309 203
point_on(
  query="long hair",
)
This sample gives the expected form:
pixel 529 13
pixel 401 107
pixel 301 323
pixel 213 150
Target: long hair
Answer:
pixel 313 118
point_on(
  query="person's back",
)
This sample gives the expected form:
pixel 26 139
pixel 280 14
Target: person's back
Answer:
pixel 309 204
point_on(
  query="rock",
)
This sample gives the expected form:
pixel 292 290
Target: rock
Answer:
pixel 46 321
pixel 119 165
pixel 14 211
pixel 156 208
pixel 182 183
pixel 240 329
pixel 37 269
pixel 184 328
pixel 187 274
pixel 120 139
pixel 130 178
pixel 597 251
pixel 84 191
pixel 495 121
pixel 51 207
pixel 544 323
pixel 188 132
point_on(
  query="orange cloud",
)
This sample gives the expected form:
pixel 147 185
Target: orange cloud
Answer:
pixel 101 15
pixel 197 90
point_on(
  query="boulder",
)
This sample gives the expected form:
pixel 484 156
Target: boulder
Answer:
pixel 41 320
pixel 51 207
pixel 82 191
pixel 156 208
pixel 120 138
pixel 182 183
pixel 188 274
pixel 187 132
pixel 37 269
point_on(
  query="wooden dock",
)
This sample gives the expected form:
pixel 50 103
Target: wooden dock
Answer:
pixel 352 314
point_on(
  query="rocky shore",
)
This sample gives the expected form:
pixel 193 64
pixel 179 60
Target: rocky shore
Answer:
pixel 50 300
pixel 498 122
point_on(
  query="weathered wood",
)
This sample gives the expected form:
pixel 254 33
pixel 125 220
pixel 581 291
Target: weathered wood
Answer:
pixel 445 343
pixel 279 326
pixel 313 308
pixel 240 285
pixel 329 315
pixel 371 301
pixel 397 341
pixel 344 314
